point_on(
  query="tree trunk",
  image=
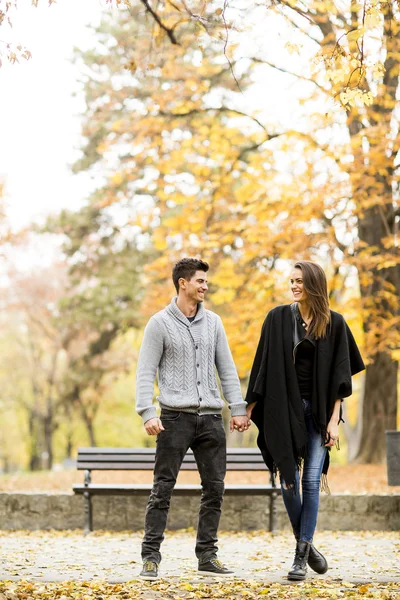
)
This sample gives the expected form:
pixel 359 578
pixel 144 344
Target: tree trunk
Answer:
pixel 34 458
pixel 89 426
pixel 48 440
pixel 70 431
pixel 380 393
pixel 90 429
pixel 380 408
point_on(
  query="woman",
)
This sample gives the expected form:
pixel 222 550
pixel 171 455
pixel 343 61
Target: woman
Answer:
pixel 302 369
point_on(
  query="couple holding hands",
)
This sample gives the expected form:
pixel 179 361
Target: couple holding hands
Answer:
pixel 302 370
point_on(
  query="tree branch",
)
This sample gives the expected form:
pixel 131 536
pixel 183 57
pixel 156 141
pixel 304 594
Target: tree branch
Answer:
pixel 298 10
pixel 168 30
pixel 217 109
pixel 303 31
pixel 282 70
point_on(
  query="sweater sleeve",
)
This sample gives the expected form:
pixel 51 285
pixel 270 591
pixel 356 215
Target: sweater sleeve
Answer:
pixel 228 374
pixel 149 358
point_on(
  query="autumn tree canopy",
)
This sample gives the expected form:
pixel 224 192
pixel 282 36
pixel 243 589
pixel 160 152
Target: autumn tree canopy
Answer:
pixel 198 175
pixel 190 168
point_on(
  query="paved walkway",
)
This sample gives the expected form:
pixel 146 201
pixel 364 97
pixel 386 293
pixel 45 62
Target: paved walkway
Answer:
pixel 359 557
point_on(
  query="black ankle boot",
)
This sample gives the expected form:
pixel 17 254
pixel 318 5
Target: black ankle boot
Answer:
pixel 299 567
pixel 317 561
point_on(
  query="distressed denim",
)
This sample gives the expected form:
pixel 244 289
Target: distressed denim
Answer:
pixel 205 435
pixel 303 511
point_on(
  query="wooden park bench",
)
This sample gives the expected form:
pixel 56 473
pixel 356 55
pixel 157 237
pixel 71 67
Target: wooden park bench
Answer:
pixel 142 459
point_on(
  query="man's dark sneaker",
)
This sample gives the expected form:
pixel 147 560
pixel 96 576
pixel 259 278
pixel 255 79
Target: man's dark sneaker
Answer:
pixel 213 566
pixel 149 571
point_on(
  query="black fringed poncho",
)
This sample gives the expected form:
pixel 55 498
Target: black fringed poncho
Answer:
pixel 273 384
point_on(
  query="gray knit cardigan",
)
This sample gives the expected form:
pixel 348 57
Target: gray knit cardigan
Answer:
pixel 186 355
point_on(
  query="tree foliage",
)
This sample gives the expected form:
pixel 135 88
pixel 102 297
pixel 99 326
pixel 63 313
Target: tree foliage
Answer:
pixel 370 164
pixel 188 168
pixel 33 362
pixel 100 304
pixel 203 176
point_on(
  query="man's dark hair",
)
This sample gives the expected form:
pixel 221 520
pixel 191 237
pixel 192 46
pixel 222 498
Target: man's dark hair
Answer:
pixel 186 268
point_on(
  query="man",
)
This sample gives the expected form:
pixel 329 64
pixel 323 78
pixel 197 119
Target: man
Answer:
pixel 185 342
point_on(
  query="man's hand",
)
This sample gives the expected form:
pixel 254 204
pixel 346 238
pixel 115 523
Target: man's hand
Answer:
pixel 153 426
pixel 239 423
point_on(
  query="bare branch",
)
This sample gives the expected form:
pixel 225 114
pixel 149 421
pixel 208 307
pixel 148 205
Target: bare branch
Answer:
pixel 168 30
pixel 298 10
pixel 282 70
pixel 194 111
pixel 303 31
pixel 226 45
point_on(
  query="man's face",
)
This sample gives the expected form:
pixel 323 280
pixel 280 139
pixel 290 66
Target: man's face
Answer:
pixel 196 288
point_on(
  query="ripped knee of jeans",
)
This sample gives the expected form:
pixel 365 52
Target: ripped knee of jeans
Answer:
pixel 288 486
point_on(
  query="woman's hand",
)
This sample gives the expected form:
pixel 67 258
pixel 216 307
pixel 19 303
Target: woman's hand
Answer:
pixel 332 433
pixel 249 409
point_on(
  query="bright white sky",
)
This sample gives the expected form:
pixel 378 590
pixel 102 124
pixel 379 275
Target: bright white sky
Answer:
pixel 40 118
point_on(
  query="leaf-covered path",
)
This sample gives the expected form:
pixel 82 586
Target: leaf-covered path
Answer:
pixel 105 565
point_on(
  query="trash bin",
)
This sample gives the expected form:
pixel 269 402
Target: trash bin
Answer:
pixel 393 457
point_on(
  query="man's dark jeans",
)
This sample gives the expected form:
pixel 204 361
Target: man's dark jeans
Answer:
pixel 205 435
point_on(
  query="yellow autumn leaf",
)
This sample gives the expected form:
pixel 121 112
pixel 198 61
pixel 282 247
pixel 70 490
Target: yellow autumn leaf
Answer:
pixel 292 48
pixel 117 178
pixel 355 34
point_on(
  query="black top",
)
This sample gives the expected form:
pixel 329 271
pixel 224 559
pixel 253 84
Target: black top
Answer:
pixel 191 319
pixel 304 364
pixel 303 354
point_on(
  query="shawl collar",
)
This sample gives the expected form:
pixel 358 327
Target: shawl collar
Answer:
pixel 173 309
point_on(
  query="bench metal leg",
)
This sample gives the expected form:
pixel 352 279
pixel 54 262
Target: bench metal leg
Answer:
pixel 88 505
pixel 88 513
pixel 272 512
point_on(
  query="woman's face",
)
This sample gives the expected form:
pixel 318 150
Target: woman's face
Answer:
pixel 297 286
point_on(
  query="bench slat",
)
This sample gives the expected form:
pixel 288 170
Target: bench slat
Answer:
pixel 146 464
pixel 94 450
pixel 183 489
pixel 150 466
pixel 126 466
pixel 137 459
pixel 149 458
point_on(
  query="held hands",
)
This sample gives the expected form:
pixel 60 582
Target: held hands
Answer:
pixel 153 426
pixel 239 423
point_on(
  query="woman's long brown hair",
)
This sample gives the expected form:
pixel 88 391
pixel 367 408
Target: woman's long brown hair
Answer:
pixel 314 282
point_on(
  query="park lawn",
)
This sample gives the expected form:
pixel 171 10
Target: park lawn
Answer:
pixel 352 479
